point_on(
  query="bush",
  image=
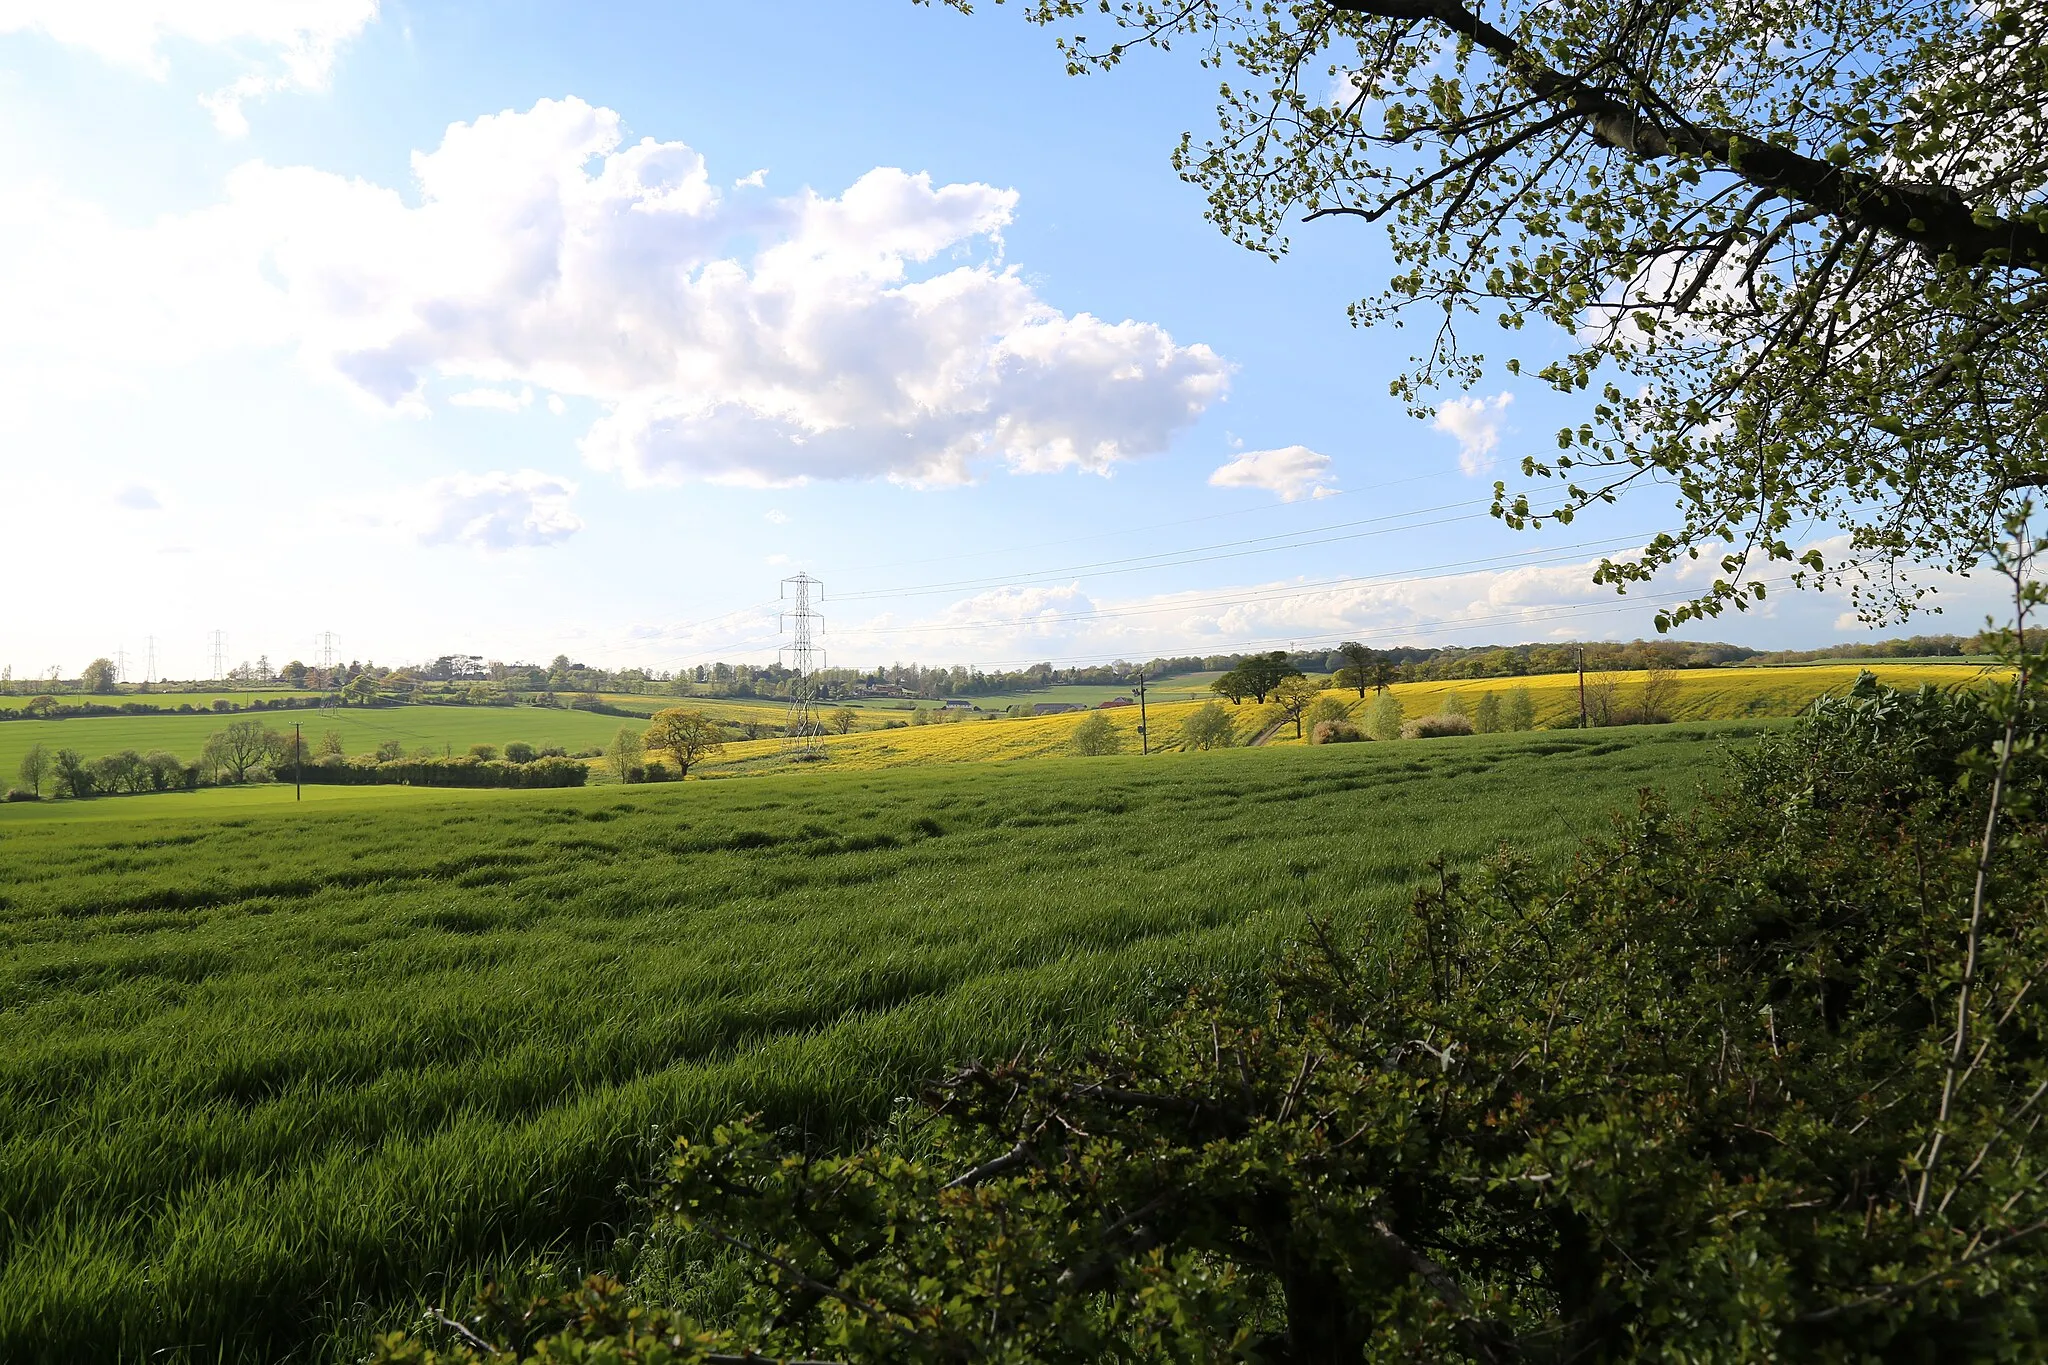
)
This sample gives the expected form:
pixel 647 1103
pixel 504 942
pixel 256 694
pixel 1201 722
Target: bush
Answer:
pixel 1212 726
pixel 486 752
pixel 1436 727
pixel 1335 732
pixel 518 751
pixel 1713 1091
pixel 17 794
pixel 1384 720
pixel 1453 705
pixel 1326 708
pixel 546 751
pixel 1097 735
pixel 459 771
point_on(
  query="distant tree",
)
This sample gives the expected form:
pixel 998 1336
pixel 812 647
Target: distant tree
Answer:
pixel 238 750
pixel 1521 711
pixel 686 736
pixel 39 706
pixel 294 673
pixel 1261 673
pixel 1293 696
pixel 1231 685
pixel 1453 705
pixel 1360 659
pixel 390 751
pixel 1486 717
pixel 35 768
pixel 120 772
pixel 361 688
pixel 98 677
pixel 1385 719
pixel 1660 695
pixel 486 752
pixel 844 719
pixel 73 774
pixel 1097 735
pixel 165 770
pixel 1210 727
pixel 330 744
pixel 519 751
pixel 624 753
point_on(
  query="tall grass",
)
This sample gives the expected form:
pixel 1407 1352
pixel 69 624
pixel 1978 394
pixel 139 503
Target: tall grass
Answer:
pixel 267 1071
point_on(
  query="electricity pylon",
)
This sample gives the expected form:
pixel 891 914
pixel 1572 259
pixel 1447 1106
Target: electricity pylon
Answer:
pixel 803 733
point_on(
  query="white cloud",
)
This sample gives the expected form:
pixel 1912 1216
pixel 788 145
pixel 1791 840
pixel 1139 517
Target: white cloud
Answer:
pixel 286 44
pixel 504 400
pixel 1294 472
pixel 493 511
pixel 1476 423
pixel 777 559
pixel 775 516
pixel 753 181
pixel 556 405
pixel 139 497
pixel 756 342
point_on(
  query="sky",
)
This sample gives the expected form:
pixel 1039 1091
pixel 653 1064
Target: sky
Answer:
pixel 515 328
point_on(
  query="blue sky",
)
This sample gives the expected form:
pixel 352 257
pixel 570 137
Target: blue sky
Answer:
pixel 516 328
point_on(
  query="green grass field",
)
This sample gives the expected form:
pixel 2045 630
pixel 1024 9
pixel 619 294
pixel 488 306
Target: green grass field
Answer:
pixel 362 729
pixel 267 1070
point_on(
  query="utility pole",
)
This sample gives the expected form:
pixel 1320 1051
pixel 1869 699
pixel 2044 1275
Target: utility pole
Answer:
pixel 149 673
pixel 120 665
pixel 220 656
pixel 298 757
pixel 1144 735
pixel 803 733
pixel 1582 687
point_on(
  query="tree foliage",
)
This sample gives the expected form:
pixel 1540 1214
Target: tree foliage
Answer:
pixel 1097 735
pixel 687 736
pixel 1791 254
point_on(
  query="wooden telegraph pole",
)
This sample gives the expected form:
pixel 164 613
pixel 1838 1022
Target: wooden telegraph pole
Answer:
pixel 1144 735
pixel 298 757
pixel 1582 687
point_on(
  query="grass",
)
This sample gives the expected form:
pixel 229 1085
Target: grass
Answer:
pixel 362 729
pixel 267 1070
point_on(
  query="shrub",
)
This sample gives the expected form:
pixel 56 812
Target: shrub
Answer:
pixel 895 725
pixel 1326 708
pixel 519 751
pixel 1335 732
pixel 1452 704
pixel 17 794
pixel 390 751
pixel 1097 735
pixel 1486 716
pixel 486 752
pixel 548 751
pixel 1384 720
pixel 1212 726
pixel 658 771
pixel 1437 726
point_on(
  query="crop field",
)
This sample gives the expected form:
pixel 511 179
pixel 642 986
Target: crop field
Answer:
pixel 362 729
pixel 1179 687
pixel 1702 693
pixel 24 693
pixel 267 1071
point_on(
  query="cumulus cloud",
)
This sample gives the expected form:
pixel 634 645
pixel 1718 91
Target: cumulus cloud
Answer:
pixel 775 516
pixel 1294 472
pixel 499 510
pixel 138 497
pixel 286 44
pixel 1476 423
pixel 725 337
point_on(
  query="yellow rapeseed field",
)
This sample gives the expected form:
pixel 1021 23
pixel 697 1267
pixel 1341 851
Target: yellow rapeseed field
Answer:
pixel 1699 694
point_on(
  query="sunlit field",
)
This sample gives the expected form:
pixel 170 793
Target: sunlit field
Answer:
pixel 267 1070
